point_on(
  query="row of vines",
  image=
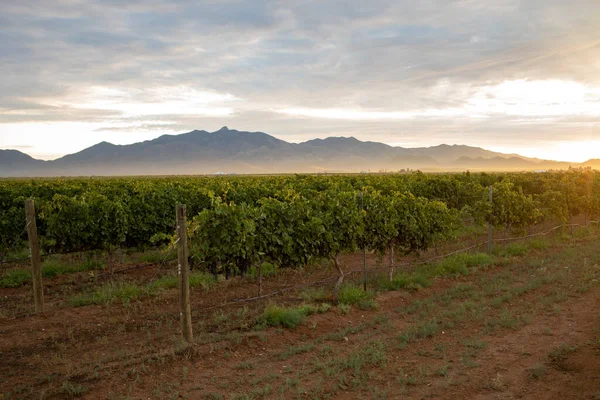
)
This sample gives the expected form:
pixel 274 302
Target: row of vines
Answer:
pixel 289 220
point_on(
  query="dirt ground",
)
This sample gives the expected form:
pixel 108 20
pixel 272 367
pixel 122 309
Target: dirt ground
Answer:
pixel 526 327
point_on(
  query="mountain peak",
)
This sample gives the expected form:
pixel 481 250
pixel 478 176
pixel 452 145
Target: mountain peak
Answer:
pixel 223 129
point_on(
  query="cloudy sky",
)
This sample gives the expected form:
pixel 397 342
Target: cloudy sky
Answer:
pixel 509 75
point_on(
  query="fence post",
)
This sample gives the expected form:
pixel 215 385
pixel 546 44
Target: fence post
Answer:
pixel 259 268
pixel 185 312
pixel 34 253
pixel 490 239
pixel 362 207
pixel 391 272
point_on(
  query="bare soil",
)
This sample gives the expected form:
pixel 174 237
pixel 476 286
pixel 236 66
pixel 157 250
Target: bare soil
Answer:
pixel 527 327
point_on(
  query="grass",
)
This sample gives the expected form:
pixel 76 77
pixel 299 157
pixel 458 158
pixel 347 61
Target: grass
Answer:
pixel 561 353
pixel 350 294
pixel 460 264
pixel 54 266
pixel 537 372
pixel 126 292
pixel 15 278
pixel 314 295
pixel 51 267
pixel 422 330
pixel 289 317
pixel 197 279
pixel 156 256
pixel 108 293
pixel 294 350
pixel 405 281
pixel 73 390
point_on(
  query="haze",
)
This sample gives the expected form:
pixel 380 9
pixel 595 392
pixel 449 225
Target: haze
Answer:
pixel 507 75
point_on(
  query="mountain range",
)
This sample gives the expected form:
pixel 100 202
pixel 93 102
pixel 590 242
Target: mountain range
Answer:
pixel 231 151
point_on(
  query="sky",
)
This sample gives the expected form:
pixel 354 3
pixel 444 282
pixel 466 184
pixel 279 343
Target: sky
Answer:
pixel 508 75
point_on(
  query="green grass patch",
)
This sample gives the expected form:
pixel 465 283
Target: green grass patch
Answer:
pixel 156 256
pixel 54 266
pixel 51 267
pixel 422 330
pixel 460 264
pixel 109 293
pixel 15 277
pixel 197 279
pixel 350 294
pixel 289 317
pixel 404 281
pixel 373 354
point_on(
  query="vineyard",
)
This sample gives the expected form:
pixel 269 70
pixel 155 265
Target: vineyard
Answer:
pixel 237 221
pixel 298 233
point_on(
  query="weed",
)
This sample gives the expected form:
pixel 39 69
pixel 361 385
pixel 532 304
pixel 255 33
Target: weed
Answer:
pixel 280 316
pixel 558 355
pixel 344 309
pixel 367 304
pixel 15 278
pixel 202 279
pixel 244 366
pixel 293 350
pixel 156 256
pixel 108 293
pixel 537 372
pixel 350 294
pixel 55 266
pixel 475 344
pixel 405 281
pixel 443 371
pixel 314 294
pixel 461 263
pixel 73 390
pixel 420 331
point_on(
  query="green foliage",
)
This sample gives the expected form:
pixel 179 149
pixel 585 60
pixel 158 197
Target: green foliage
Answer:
pixel 224 236
pixel 87 222
pixel 288 221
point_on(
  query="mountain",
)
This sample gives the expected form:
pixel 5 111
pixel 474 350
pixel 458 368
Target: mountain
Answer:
pixel 232 151
pixel 594 164
pixel 12 162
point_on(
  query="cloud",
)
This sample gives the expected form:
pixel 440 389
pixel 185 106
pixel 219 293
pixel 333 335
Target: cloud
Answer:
pixel 296 67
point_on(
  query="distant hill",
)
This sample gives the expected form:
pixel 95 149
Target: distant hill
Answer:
pixel 594 164
pixel 231 151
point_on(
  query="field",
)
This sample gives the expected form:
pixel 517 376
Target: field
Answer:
pixel 454 321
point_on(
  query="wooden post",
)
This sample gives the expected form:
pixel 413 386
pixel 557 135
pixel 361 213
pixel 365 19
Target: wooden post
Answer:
pixel 391 262
pixel 185 312
pixel 362 207
pixel 259 267
pixel 34 253
pixel 490 238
